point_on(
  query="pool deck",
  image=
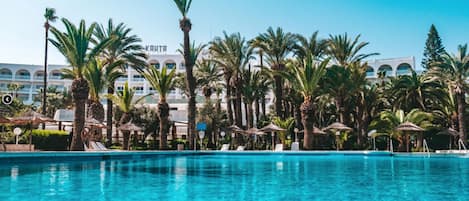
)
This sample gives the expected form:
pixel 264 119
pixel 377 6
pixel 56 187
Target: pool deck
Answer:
pixel 135 155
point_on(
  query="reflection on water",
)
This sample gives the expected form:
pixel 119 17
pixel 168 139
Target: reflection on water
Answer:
pixel 240 178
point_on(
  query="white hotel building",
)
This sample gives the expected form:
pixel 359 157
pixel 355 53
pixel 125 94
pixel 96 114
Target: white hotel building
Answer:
pixel 30 77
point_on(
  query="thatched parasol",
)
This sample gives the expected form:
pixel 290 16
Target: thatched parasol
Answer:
pixel 30 117
pixel 338 126
pixel 92 122
pixel 409 126
pixel 254 131
pixel 449 131
pixel 129 127
pixel 235 129
pixel 4 120
pixel 316 130
pixel 271 128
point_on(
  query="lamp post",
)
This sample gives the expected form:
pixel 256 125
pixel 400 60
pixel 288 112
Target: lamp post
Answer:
pixel 222 134
pixel 17 132
pixel 296 130
pixel 201 137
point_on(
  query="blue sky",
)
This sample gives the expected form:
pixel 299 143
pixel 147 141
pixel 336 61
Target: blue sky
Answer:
pixel 394 28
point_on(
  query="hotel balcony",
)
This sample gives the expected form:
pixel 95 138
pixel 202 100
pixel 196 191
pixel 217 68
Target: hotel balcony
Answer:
pixel 23 77
pixel 6 77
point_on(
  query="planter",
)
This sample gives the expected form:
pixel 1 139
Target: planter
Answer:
pixel 17 147
pixel 180 147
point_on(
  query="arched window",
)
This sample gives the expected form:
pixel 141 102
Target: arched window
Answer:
pixel 370 72
pixel 23 75
pixel 39 75
pixel 385 68
pixel 403 69
pixel 155 63
pixel 170 64
pixel 5 73
pixel 55 75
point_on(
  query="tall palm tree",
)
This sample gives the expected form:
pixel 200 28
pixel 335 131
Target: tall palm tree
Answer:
pixel 124 100
pixel 162 81
pixel 124 51
pixel 454 70
pixel 309 46
pixel 276 44
pixel 344 50
pixel 232 53
pixel 50 17
pixel 305 79
pixel 75 46
pixel 186 26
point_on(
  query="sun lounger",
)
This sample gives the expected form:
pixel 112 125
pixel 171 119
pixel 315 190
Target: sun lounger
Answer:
pixel 225 147
pixel 240 148
pixel 95 146
pixel 278 147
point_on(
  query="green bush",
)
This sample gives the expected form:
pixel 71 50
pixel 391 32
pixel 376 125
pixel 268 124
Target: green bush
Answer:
pixel 50 140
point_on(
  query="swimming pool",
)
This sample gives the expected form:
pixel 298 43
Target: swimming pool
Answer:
pixel 238 177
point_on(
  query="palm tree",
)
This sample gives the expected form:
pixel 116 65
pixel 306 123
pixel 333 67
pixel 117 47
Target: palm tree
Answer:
pixel 186 26
pixel 344 50
pixel 305 79
pixel 309 46
pixel 162 81
pixel 276 44
pixel 389 120
pixel 232 54
pixel 208 77
pixel 418 91
pixel 124 100
pixel 50 17
pixel 454 70
pixel 75 46
pixel 124 51
pixel 190 85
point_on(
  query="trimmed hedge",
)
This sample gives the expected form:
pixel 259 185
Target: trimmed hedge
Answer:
pixel 50 140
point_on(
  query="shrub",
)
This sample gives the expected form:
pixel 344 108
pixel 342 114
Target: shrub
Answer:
pixel 50 140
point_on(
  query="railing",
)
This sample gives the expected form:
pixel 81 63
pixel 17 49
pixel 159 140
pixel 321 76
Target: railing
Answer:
pixel 23 77
pixel 6 76
pixel 425 148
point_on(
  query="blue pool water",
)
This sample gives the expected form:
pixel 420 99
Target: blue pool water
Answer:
pixel 232 177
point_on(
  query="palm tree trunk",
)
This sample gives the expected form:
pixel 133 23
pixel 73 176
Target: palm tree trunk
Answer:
pixel 186 26
pixel 250 115
pixel 80 91
pixel 263 106
pixel 461 121
pixel 278 95
pixel 110 91
pixel 229 101
pixel 44 91
pixel 238 110
pixel 163 114
pixel 257 109
pixel 307 120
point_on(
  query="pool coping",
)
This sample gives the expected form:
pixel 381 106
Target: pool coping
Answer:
pixel 105 155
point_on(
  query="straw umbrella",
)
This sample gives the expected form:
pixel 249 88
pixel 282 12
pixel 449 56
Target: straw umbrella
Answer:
pixel 234 129
pixel 129 126
pixel 29 119
pixel 452 134
pixel 338 127
pixel 411 127
pixel 3 120
pixel 272 128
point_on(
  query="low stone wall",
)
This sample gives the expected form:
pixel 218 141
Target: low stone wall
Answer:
pixel 17 147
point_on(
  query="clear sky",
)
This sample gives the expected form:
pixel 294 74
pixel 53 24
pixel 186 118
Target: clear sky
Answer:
pixel 394 28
